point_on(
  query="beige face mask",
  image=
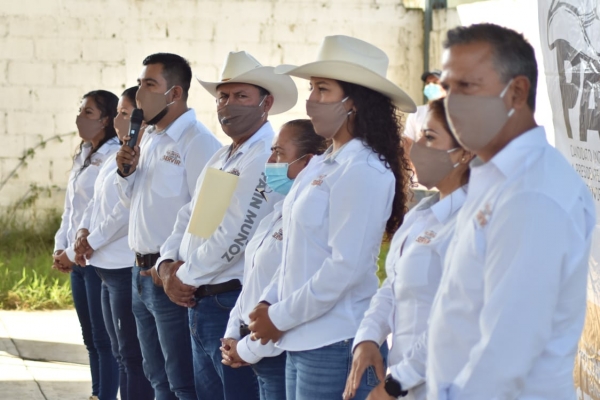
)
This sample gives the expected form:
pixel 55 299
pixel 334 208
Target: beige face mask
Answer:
pixel 237 120
pixel 154 105
pixel 121 125
pixel 327 118
pixel 432 165
pixel 88 128
pixel 476 120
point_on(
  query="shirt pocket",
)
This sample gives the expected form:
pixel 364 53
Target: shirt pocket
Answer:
pixel 413 270
pixel 312 208
pixel 167 179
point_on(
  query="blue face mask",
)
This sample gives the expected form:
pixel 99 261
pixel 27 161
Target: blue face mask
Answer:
pixel 433 91
pixel 277 176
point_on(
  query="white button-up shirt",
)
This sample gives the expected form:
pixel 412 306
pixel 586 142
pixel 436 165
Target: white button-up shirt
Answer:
pixel 414 123
pixel 107 220
pixel 165 179
pixel 334 219
pixel 263 257
pixel 511 305
pixel 80 190
pixel 403 303
pixel 219 258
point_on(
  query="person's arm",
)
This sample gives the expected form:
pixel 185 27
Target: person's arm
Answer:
pixel 113 227
pixel 198 153
pixel 526 249
pixel 227 244
pixel 410 372
pixel 374 325
pixel 60 238
pixel 359 205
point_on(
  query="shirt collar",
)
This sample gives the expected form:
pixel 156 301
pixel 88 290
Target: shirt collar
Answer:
pixel 177 127
pixel 510 158
pixel 262 133
pixel 443 209
pixel 106 146
pixel 344 153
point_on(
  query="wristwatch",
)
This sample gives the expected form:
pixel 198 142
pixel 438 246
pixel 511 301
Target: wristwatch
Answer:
pixel 393 387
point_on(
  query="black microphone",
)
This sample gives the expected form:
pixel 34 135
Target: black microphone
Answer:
pixel 135 123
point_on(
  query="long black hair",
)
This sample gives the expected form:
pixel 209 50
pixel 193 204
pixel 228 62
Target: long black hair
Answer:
pixel 107 104
pixel 377 124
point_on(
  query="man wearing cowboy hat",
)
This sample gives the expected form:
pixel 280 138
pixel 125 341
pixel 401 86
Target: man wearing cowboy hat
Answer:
pixel 206 274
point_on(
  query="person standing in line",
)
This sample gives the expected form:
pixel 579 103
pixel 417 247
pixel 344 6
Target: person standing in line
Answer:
pixel 102 244
pixel 511 304
pixel 294 147
pixel 414 267
pixel 206 274
pixel 335 217
pixel 98 143
pixel 160 179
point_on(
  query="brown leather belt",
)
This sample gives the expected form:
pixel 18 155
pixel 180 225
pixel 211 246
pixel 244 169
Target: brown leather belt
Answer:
pixel 212 290
pixel 146 261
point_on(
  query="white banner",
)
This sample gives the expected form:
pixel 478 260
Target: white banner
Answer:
pixel 570 42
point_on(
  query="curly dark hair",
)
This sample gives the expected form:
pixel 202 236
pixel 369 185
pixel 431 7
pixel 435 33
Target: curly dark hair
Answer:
pixel 378 124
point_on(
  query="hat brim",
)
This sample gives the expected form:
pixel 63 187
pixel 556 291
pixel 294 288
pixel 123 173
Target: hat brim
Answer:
pixel 352 73
pixel 283 88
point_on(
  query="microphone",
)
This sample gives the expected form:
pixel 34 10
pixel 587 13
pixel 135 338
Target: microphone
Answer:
pixel 135 123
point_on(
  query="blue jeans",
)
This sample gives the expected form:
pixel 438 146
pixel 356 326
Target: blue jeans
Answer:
pixel 270 372
pixel 121 327
pixel 86 287
pixel 321 374
pixel 215 381
pixel 164 337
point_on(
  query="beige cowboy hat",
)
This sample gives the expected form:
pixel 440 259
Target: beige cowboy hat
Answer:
pixel 241 67
pixel 352 60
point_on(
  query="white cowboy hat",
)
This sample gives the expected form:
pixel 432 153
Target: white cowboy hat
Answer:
pixel 241 67
pixel 352 60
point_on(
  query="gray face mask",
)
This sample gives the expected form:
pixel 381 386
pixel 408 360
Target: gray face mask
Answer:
pixel 327 118
pixel 432 165
pixel 237 120
pixel 88 128
pixel 476 120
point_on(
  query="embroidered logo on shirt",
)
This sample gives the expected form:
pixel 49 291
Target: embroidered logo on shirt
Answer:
pixel 234 171
pixel 173 157
pixel 278 235
pixel 96 161
pixel 426 237
pixel 483 215
pixel 318 181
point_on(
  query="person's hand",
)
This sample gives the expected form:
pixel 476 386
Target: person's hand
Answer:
pixel 379 393
pixel 152 273
pixel 179 293
pixel 366 354
pixel 230 355
pixel 128 156
pixel 58 258
pixel 261 325
pixel 83 232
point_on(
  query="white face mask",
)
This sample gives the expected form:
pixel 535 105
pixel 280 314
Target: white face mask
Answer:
pixel 476 120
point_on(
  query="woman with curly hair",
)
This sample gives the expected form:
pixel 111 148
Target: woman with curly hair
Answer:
pixel 335 216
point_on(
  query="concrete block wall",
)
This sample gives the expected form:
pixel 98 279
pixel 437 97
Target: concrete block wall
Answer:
pixel 54 51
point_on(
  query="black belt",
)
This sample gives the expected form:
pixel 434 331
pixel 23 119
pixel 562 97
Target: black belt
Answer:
pixel 146 261
pixel 212 290
pixel 244 331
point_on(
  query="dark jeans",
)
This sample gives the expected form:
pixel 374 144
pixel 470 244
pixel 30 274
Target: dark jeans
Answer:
pixel 270 372
pixel 164 334
pixel 321 374
pixel 122 329
pixel 86 287
pixel 215 381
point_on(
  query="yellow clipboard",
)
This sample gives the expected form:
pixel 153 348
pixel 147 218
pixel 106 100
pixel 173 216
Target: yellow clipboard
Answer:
pixel 212 203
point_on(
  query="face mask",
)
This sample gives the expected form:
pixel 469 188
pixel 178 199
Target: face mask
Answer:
pixel 327 118
pixel 154 105
pixel 240 119
pixel 476 120
pixel 88 128
pixel 121 125
pixel 433 91
pixel 277 176
pixel 431 165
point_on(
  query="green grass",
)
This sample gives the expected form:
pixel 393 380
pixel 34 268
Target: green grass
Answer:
pixel 385 247
pixel 27 281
